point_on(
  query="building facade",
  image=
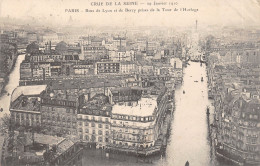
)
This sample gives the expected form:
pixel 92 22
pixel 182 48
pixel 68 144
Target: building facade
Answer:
pixel 59 113
pixel 25 106
pixel 107 67
pixel 90 52
pixel 94 121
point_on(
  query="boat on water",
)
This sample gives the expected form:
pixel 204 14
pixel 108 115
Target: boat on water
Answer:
pixel 208 110
pixel 201 79
pixel 187 163
pixel 196 81
pixel 183 91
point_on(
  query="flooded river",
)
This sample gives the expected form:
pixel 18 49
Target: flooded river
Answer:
pixel 189 139
pixel 12 84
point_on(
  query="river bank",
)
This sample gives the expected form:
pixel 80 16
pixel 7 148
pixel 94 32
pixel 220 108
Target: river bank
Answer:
pixel 11 83
pixel 189 139
pixel 6 78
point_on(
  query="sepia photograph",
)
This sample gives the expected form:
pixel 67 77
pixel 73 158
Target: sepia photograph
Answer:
pixel 129 82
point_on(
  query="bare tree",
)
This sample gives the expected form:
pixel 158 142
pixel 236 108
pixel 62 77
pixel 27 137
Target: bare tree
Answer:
pixel 5 122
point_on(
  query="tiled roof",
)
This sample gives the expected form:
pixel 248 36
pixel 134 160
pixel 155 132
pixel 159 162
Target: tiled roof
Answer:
pixel 85 84
pixel 32 104
pixel 63 146
pixel 47 139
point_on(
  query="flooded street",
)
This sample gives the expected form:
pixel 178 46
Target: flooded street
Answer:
pixel 189 140
pixel 189 136
pixel 189 131
pixel 11 85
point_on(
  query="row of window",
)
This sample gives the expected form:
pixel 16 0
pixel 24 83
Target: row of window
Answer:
pixel 93 138
pixel 100 132
pixel 253 116
pixel 132 118
pixel 251 140
pixel 108 71
pixel 112 67
pixel 92 118
pixel 94 48
pixel 64 124
pixel 25 116
pixel 58 102
pixel 133 144
pixel 28 123
pixel 93 124
pixel 93 112
pixel 134 131
pixel 58 118
pixel 107 64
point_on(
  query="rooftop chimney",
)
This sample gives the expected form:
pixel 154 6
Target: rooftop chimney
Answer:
pixel 50 47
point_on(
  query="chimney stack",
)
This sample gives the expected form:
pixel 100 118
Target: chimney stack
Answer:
pixel 50 47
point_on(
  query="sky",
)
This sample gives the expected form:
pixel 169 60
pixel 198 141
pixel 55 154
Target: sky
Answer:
pixel 240 13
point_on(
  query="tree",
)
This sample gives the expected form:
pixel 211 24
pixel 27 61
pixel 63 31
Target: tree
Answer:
pixel 7 52
pixel 61 47
pixel 32 48
pixel 5 124
pixel 7 127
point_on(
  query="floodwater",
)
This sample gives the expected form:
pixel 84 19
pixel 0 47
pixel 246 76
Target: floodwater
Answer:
pixel 11 85
pixel 189 140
